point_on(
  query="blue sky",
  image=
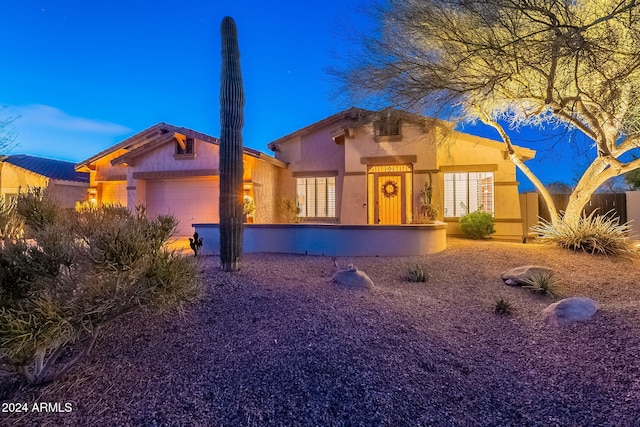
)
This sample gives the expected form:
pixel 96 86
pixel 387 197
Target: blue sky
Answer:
pixel 83 75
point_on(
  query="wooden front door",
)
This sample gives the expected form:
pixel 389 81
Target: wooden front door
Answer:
pixel 390 199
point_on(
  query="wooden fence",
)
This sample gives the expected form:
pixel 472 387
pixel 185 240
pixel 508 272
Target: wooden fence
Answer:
pixel 605 202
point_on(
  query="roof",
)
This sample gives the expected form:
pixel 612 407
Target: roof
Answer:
pixel 51 168
pixel 157 135
pixel 359 117
pixel 352 113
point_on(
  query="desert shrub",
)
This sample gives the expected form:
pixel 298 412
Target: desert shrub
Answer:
pixel 37 208
pixel 289 211
pixel 83 270
pixel 544 284
pixel 503 307
pixel 417 273
pixel 596 234
pixel 477 225
pixel 11 225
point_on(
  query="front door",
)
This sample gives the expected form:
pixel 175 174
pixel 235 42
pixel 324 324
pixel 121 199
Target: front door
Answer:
pixel 390 199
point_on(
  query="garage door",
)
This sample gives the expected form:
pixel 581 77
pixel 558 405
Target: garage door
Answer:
pixel 190 201
pixel 114 193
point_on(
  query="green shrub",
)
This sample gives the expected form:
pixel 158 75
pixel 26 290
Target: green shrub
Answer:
pixel 477 225
pixel 417 273
pixel 503 307
pixel 544 284
pixel 596 234
pixel 83 270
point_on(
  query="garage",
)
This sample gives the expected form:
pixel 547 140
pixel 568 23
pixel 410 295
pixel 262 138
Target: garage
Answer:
pixel 190 201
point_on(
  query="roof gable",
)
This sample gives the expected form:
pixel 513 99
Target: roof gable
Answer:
pixel 50 168
pixel 146 140
pixel 156 136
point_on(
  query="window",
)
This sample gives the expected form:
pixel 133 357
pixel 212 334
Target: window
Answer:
pixel 317 197
pixel 467 190
pixel 188 147
pixel 387 129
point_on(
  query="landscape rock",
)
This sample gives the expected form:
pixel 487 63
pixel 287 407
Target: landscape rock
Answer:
pixel 569 310
pixel 352 278
pixel 518 276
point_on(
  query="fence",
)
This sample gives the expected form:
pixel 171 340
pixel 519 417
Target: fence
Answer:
pixel 605 202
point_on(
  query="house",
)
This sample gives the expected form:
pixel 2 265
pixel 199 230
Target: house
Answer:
pixel 59 178
pixel 175 170
pixel 356 167
pixel 365 167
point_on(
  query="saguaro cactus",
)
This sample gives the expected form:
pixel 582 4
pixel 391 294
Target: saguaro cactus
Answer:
pixel 231 168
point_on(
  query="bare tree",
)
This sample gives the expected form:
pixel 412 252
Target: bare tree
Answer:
pixel 7 134
pixel 509 63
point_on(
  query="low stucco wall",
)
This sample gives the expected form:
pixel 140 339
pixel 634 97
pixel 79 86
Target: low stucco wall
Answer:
pixel 333 239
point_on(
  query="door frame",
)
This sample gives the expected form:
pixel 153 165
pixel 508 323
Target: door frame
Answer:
pixel 402 191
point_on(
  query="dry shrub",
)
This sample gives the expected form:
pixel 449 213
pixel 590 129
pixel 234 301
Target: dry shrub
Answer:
pixel 81 271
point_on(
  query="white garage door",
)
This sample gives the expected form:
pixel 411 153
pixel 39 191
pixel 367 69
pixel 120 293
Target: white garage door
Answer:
pixel 114 193
pixel 190 201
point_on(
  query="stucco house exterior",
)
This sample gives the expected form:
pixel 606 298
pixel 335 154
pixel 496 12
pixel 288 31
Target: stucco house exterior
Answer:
pixel 364 167
pixel 356 167
pixel 59 179
pixel 175 170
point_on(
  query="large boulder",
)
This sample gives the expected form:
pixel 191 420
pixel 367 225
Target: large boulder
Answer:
pixel 518 276
pixel 569 310
pixel 352 278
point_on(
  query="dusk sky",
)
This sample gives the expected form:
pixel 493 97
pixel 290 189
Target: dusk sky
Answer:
pixel 84 75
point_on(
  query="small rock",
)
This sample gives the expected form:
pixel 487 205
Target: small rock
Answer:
pixel 569 310
pixel 519 275
pixel 353 278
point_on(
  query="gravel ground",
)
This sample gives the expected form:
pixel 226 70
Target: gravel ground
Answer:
pixel 278 345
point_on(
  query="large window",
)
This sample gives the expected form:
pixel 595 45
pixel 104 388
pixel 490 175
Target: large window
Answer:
pixel 317 197
pixel 467 190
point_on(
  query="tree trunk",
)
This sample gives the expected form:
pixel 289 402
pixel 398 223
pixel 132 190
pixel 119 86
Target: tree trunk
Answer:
pixel 231 167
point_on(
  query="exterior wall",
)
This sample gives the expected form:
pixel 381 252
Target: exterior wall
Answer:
pixel 362 149
pixel 14 180
pixel 68 193
pixel 107 182
pixel 310 154
pixel 467 153
pixel 264 177
pixel 163 160
pixel 431 149
pixel 186 186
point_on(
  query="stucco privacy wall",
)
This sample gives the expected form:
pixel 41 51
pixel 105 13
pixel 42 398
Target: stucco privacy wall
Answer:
pixel 333 239
pixel 633 212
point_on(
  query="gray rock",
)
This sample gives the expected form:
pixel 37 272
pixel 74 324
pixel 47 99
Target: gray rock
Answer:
pixel 569 310
pixel 519 275
pixel 352 278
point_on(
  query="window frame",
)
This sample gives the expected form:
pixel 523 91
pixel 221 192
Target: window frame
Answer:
pixel 386 125
pixel 189 151
pixel 311 189
pixel 466 186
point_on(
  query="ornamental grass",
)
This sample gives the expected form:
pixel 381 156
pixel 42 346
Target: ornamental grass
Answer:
pixel 595 234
